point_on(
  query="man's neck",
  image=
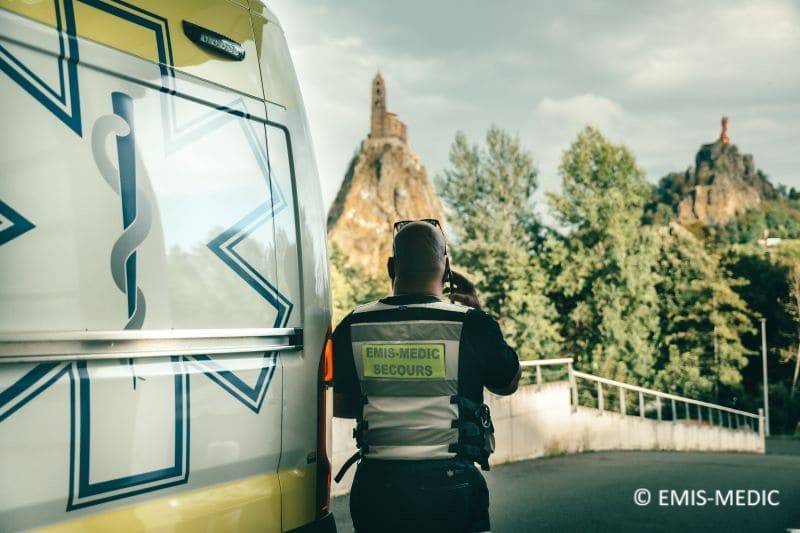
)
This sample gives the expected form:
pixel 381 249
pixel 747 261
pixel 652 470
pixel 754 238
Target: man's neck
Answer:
pixel 401 289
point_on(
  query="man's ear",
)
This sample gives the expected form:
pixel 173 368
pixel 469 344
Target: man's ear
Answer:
pixel 390 268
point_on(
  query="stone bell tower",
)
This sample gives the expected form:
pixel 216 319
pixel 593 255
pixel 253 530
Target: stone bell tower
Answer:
pixel 377 129
pixel 384 123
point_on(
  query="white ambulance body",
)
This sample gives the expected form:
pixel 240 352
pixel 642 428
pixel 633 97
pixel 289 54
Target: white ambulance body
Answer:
pixel 164 299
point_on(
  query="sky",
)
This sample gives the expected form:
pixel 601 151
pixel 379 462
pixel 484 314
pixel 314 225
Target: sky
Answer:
pixel 655 76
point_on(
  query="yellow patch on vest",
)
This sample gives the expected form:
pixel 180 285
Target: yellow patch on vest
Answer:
pixel 403 361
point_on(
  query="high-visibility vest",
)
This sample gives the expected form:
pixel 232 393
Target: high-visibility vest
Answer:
pixel 407 370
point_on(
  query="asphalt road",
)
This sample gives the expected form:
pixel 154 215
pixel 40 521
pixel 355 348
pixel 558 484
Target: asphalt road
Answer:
pixel 595 492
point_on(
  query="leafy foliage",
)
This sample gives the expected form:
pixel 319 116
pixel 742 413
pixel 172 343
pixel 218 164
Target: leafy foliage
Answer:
pixel 702 319
pixel 770 294
pixel 606 285
pixel 616 283
pixel 781 218
pixel 350 287
pixel 495 237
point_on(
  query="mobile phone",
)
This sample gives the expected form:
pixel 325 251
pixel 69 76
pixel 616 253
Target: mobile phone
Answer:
pixel 448 278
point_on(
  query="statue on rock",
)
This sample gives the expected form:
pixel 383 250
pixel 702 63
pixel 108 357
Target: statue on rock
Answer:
pixel 723 136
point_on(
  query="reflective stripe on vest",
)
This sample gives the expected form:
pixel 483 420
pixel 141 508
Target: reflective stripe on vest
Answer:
pixel 408 371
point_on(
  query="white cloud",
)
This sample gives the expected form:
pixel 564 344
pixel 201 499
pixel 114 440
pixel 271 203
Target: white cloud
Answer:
pixel 575 111
pixel 766 23
pixel 556 121
pixel 346 42
pixel 655 76
pixel 712 49
pixel 664 69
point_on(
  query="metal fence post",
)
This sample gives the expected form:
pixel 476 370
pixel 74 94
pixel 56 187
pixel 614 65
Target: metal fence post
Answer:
pixel 766 383
pixel 573 387
pixel 539 376
pixel 601 405
pixel 622 407
pixel 674 411
pixel 686 411
pixel 761 422
pixel 658 407
pixel 641 404
pixel 710 416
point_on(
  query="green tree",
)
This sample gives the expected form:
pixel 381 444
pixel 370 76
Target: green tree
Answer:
pixel 770 294
pixel 349 287
pixel 605 282
pixel 496 237
pixel 702 318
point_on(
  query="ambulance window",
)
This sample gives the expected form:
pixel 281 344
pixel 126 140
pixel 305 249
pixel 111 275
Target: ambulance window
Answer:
pixel 286 243
pixel 217 222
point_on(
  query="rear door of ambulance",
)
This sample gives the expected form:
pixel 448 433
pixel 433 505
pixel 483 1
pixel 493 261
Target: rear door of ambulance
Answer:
pixel 300 242
pixel 146 309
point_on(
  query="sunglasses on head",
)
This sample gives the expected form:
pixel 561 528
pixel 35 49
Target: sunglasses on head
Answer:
pixel 400 224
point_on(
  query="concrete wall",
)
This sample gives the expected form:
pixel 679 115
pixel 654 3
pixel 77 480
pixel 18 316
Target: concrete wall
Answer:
pixel 538 421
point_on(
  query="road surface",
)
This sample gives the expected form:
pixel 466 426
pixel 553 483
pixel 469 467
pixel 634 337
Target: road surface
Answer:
pixel 595 492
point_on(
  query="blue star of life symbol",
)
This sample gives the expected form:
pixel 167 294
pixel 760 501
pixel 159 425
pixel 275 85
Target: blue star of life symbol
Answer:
pixel 83 491
pixel 12 224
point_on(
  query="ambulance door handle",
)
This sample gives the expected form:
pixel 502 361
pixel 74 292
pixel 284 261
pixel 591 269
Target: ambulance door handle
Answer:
pixel 213 41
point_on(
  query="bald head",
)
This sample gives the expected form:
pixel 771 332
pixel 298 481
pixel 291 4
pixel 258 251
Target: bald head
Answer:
pixel 419 254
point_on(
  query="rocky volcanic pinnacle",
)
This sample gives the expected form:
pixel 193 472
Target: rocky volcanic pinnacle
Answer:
pixel 386 182
pixel 725 184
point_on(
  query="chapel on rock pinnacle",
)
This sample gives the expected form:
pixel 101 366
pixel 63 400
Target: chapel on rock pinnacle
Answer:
pixel 384 123
pixel 384 182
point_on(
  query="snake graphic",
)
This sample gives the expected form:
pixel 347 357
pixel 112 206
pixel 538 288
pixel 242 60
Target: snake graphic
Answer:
pixel 136 212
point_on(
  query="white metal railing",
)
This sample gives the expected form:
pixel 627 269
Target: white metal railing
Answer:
pixel 733 418
pixel 539 363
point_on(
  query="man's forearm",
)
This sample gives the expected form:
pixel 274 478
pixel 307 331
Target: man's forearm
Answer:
pixel 511 388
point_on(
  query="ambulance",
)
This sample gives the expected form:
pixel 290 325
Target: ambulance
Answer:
pixel 164 290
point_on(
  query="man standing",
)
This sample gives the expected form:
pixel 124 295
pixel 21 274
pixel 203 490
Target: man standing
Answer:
pixel 411 368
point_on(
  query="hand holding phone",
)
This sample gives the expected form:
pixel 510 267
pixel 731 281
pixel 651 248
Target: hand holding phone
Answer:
pixel 463 291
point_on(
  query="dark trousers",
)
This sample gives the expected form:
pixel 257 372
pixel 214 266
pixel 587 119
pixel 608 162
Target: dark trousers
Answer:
pixel 439 496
